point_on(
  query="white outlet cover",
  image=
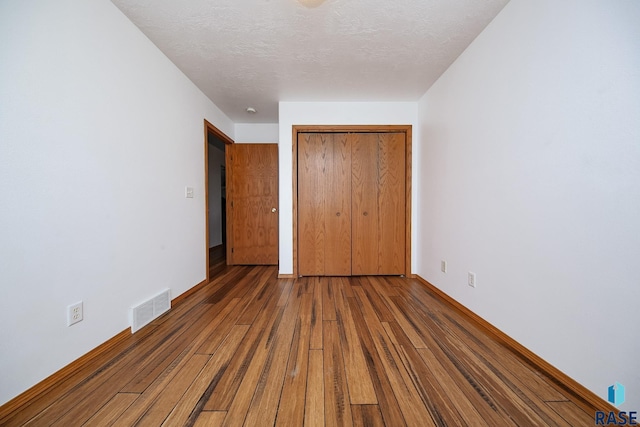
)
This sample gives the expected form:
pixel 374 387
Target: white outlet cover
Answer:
pixel 472 279
pixel 75 313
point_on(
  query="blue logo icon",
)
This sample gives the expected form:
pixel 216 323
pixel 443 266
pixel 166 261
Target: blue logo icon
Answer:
pixel 616 394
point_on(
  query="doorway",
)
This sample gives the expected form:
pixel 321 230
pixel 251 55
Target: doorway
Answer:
pixel 215 148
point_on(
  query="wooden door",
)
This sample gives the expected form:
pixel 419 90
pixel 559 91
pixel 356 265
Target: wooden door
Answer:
pixel 378 203
pixel 324 204
pixel 252 193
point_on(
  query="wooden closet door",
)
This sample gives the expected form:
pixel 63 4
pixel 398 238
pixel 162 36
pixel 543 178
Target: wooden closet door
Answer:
pixel 378 203
pixel 324 204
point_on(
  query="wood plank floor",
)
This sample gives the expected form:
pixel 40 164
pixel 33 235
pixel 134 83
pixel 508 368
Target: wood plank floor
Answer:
pixel 251 349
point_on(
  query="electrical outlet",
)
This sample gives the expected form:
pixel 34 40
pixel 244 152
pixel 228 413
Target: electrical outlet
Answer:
pixel 443 266
pixel 74 313
pixel 472 279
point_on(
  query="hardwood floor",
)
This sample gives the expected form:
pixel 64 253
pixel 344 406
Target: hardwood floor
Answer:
pixel 217 260
pixel 251 349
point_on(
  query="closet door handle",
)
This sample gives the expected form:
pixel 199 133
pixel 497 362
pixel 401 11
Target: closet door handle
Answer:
pixel 365 213
pixel 337 213
pixel 274 210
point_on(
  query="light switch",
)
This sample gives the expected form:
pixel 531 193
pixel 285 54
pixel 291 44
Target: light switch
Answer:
pixel 188 192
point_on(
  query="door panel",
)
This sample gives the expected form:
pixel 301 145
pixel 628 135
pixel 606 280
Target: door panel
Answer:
pixel 351 203
pixel 391 228
pixel 378 203
pixel 324 208
pixel 253 195
pixel 312 150
pixel 338 207
pixel 364 198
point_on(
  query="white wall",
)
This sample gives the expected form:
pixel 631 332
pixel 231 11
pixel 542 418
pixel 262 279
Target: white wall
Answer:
pixel 99 135
pixel 256 133
pixel 216 159
pixel 330 113
pixel 530 177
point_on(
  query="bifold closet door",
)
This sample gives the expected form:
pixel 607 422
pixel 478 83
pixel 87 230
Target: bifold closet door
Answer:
pixel 378 203
pixel 324 204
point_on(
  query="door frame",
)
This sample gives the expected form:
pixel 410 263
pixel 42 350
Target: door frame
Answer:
pixel 406 129
pixel 209 128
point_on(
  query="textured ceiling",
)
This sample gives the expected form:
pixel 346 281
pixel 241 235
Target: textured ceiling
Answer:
pixel 243 53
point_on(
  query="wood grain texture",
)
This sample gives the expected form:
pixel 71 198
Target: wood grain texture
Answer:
pixel 314 399
pixel 392 204
pixel 409 400
pixel 240 351
pixel 387 401
pixel 439 403
pixel 337 409
pixel 324 204
pixel 365 199
pixel 109 413
pixel 361 391
pixel 572 414
pixel 266 393
pixel 220 327
pixel 190 406
pixel 337 206
pixel 316 314
pixel 389 233
pixel 328 299
pixel 351 203
pixel 253 194
pixel 312 150
pixel 224 393
pixel 295 379
pixel 367 416
pixel 165 396
pixel 76 406
pixel 210 419
pixel 585 398
pixel 39 397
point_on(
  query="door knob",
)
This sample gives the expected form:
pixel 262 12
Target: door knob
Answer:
pixel 365 213
pixel 274 210
pixel 337 213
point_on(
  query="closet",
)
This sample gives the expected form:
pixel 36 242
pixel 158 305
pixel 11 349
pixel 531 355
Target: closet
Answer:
pixel 351 203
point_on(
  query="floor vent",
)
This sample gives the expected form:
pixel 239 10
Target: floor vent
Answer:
pixel 144 313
